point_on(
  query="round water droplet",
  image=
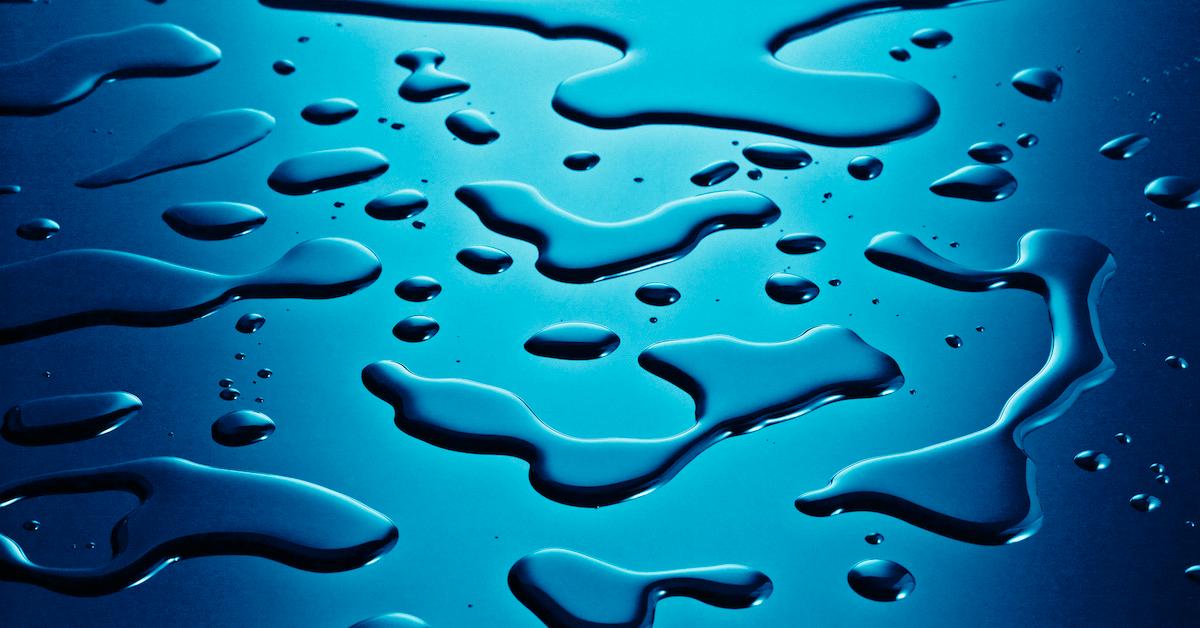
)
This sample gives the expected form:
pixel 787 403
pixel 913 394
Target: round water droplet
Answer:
pixel 874 538
pixel 931 38
pixel 659 294
pixel 1144 503
pixel 954 342
pixel 800 243
pixel 1090 460
pixel 881 580
pixel 416 329
pixel 1174 192
pixel 1039 84
pixel 1027 140
pixel 283 67
pixel 581 160
pixel 397 205
pixel 330 111
pixel 38 229
pixel 484 260
pixel 265 373
pixel 225 382
pixel 791 289
pixel 900 54
pixel 1176 362
pixel 777 156
pixel 241 428
pixel 419 288
pixel 1125 146
pixel 864 167
pixel 250 323
pixel 990 152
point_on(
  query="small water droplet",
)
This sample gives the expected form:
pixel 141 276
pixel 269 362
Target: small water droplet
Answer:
pixel 874 538
pixel 33 525
pixel 230 394
pixel 250 323
pixel 1027 140
pixel 472 126
pixel 976 183
pixel 791 289
pixel 1144 503
pixel 581 160
pixel 990 152
pixel 283 67
pixel 865 167
pixel 416 329
pixel 777 156
pixel 242 427
pixel 881 580
pixel 899 54
pixel 1122 438
pixel 1090 460
pixel 38 229
pixel 330 111
pixel 265 373
pixel 1125 146
pixel 1039 84
pixel 484 260
pixel 1176 362
pixel 800 243
pixel 1174 192
pixel 658 294
pixel 954 342
pixel 714 173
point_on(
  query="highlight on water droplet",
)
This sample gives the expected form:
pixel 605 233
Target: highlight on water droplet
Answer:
pixel 472 126
pixel 881 580
pixel 330 111
pixel 1090 460
pixel 777 156
pixel 714 173
pixel 1174 192
pixel 419 288
pixel 581 160
pixel 1038 84
pixel 38 229
pixel 931 38
pixel 657 294
pixel 417 328
pixel 1125 146
pixel 242 427
pixel 326 170
pixel 398 205
pixel 215 220
pixel 250 323
pixel 791 289
pixel 865 167
pixel 573 341
pixel 990 152
pixel 68 418
pixel 484 260
pixel 976 183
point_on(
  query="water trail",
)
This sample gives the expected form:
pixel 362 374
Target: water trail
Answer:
pixel 427 82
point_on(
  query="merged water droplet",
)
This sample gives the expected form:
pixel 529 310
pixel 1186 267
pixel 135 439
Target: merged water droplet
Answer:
pixel 38 229
pixel 881 580
pixel 976 183
pixel 188 510
pixel 427 82
pixel 990 152
pixel 419 288
pixel 658 294
pixel 565 588
pixel 1090 460
pixel 484 260
pixel 865 167
pixel 68 71
pixel 1144 503
pixel 714 173
pixel 330 111
pixel 1174 192
pixel 242 427
pixel 777 156
pixel 326 170
pixel 416 329
pixel 197 141
pixel 250 323
pixel 68 418
pixel 1038 84
pixel 581 160
pixel 573 341
pixel 578 250
pixel 931 38
pixel 1125 146
pixel 216 220
pixel 791 289
pixel 472 126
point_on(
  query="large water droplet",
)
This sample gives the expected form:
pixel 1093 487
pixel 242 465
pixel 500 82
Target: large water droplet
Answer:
pixel 881 580
pixel 1174 192
pixel 976 183
pixel 1125 146
pixel 215 220
pixel 242 427
pixel 573 341
pixel 791 289
pixel 1039 84
pixel 38 229
pixel 326 170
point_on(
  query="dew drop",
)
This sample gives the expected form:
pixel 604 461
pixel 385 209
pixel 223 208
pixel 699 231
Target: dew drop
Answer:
pixel 416 329
pixel 484 260
pixel 1090 460
pixel 38 229
pixel 791 289
pixel 1038 84
pixel 419 288
pixel 242 427
pixel 881 580
pixel 658 294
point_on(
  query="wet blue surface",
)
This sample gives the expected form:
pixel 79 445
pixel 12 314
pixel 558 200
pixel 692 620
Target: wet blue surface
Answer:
pixel 464 520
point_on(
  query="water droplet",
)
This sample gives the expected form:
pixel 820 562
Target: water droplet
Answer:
pixel 1090 460
pixel 899 54
pixel 392 620
pixel 1176 362
pixel 1192 573
pixel 791 289
pixel 472 126
pixel 874 538
pixel 197 141
pixel 427 82
pixel 250 323
pixel 68 418
pixel 881 580
pixel 1162 478
pixel 976 183
pixel 419 288
pixel 239 356
pixel 1174 192
pixel 1027 140
pixel 33 525
pixel 265 373
pixel 931 38
pixel 954 342
pixel 225 382
pixel 484 260
pixel 326 170
pixel 283 67
pixel 573 341
pixel 9 189
pixel 416 329
pixel 1157 468
pixel 582 160
pixel 229 394
pixel 68 71
pixel 714 173
pixel 800 244
pixel 578 250
pixel 330 111
pixel 38 229
pixel 213 220
pixel 1122 438
pixel 659 294
pixel 1125 146
pixel 865 167
pixel 990 152
pixel 397 205
pixel 777 156
pixel 1144 503
pixel 1038 84
pixel 242 427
